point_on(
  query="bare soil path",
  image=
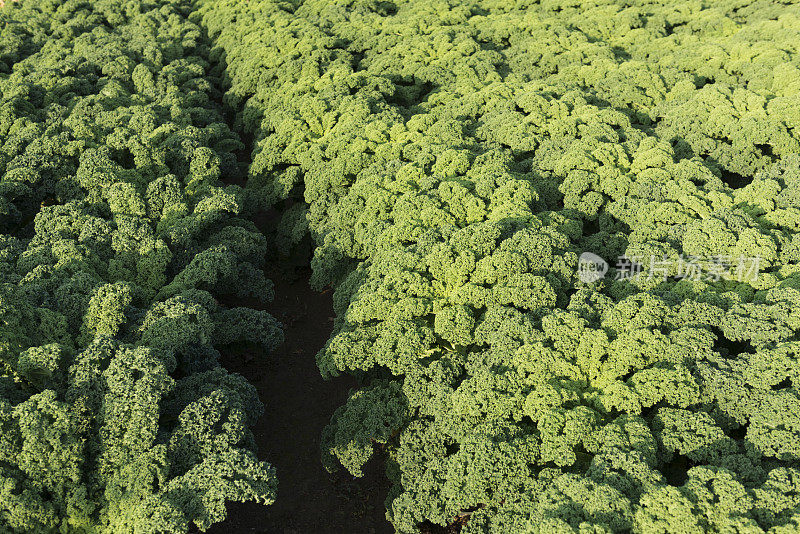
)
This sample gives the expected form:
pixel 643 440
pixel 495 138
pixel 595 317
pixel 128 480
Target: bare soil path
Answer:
pixel 299 403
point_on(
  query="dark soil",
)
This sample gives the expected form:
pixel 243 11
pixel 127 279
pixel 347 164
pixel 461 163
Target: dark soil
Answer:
pixel 298 405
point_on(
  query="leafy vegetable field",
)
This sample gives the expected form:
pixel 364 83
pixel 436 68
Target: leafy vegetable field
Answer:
pixel 562 239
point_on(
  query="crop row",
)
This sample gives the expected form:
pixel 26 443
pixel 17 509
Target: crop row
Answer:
pixel 455 160
pixel 119 240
